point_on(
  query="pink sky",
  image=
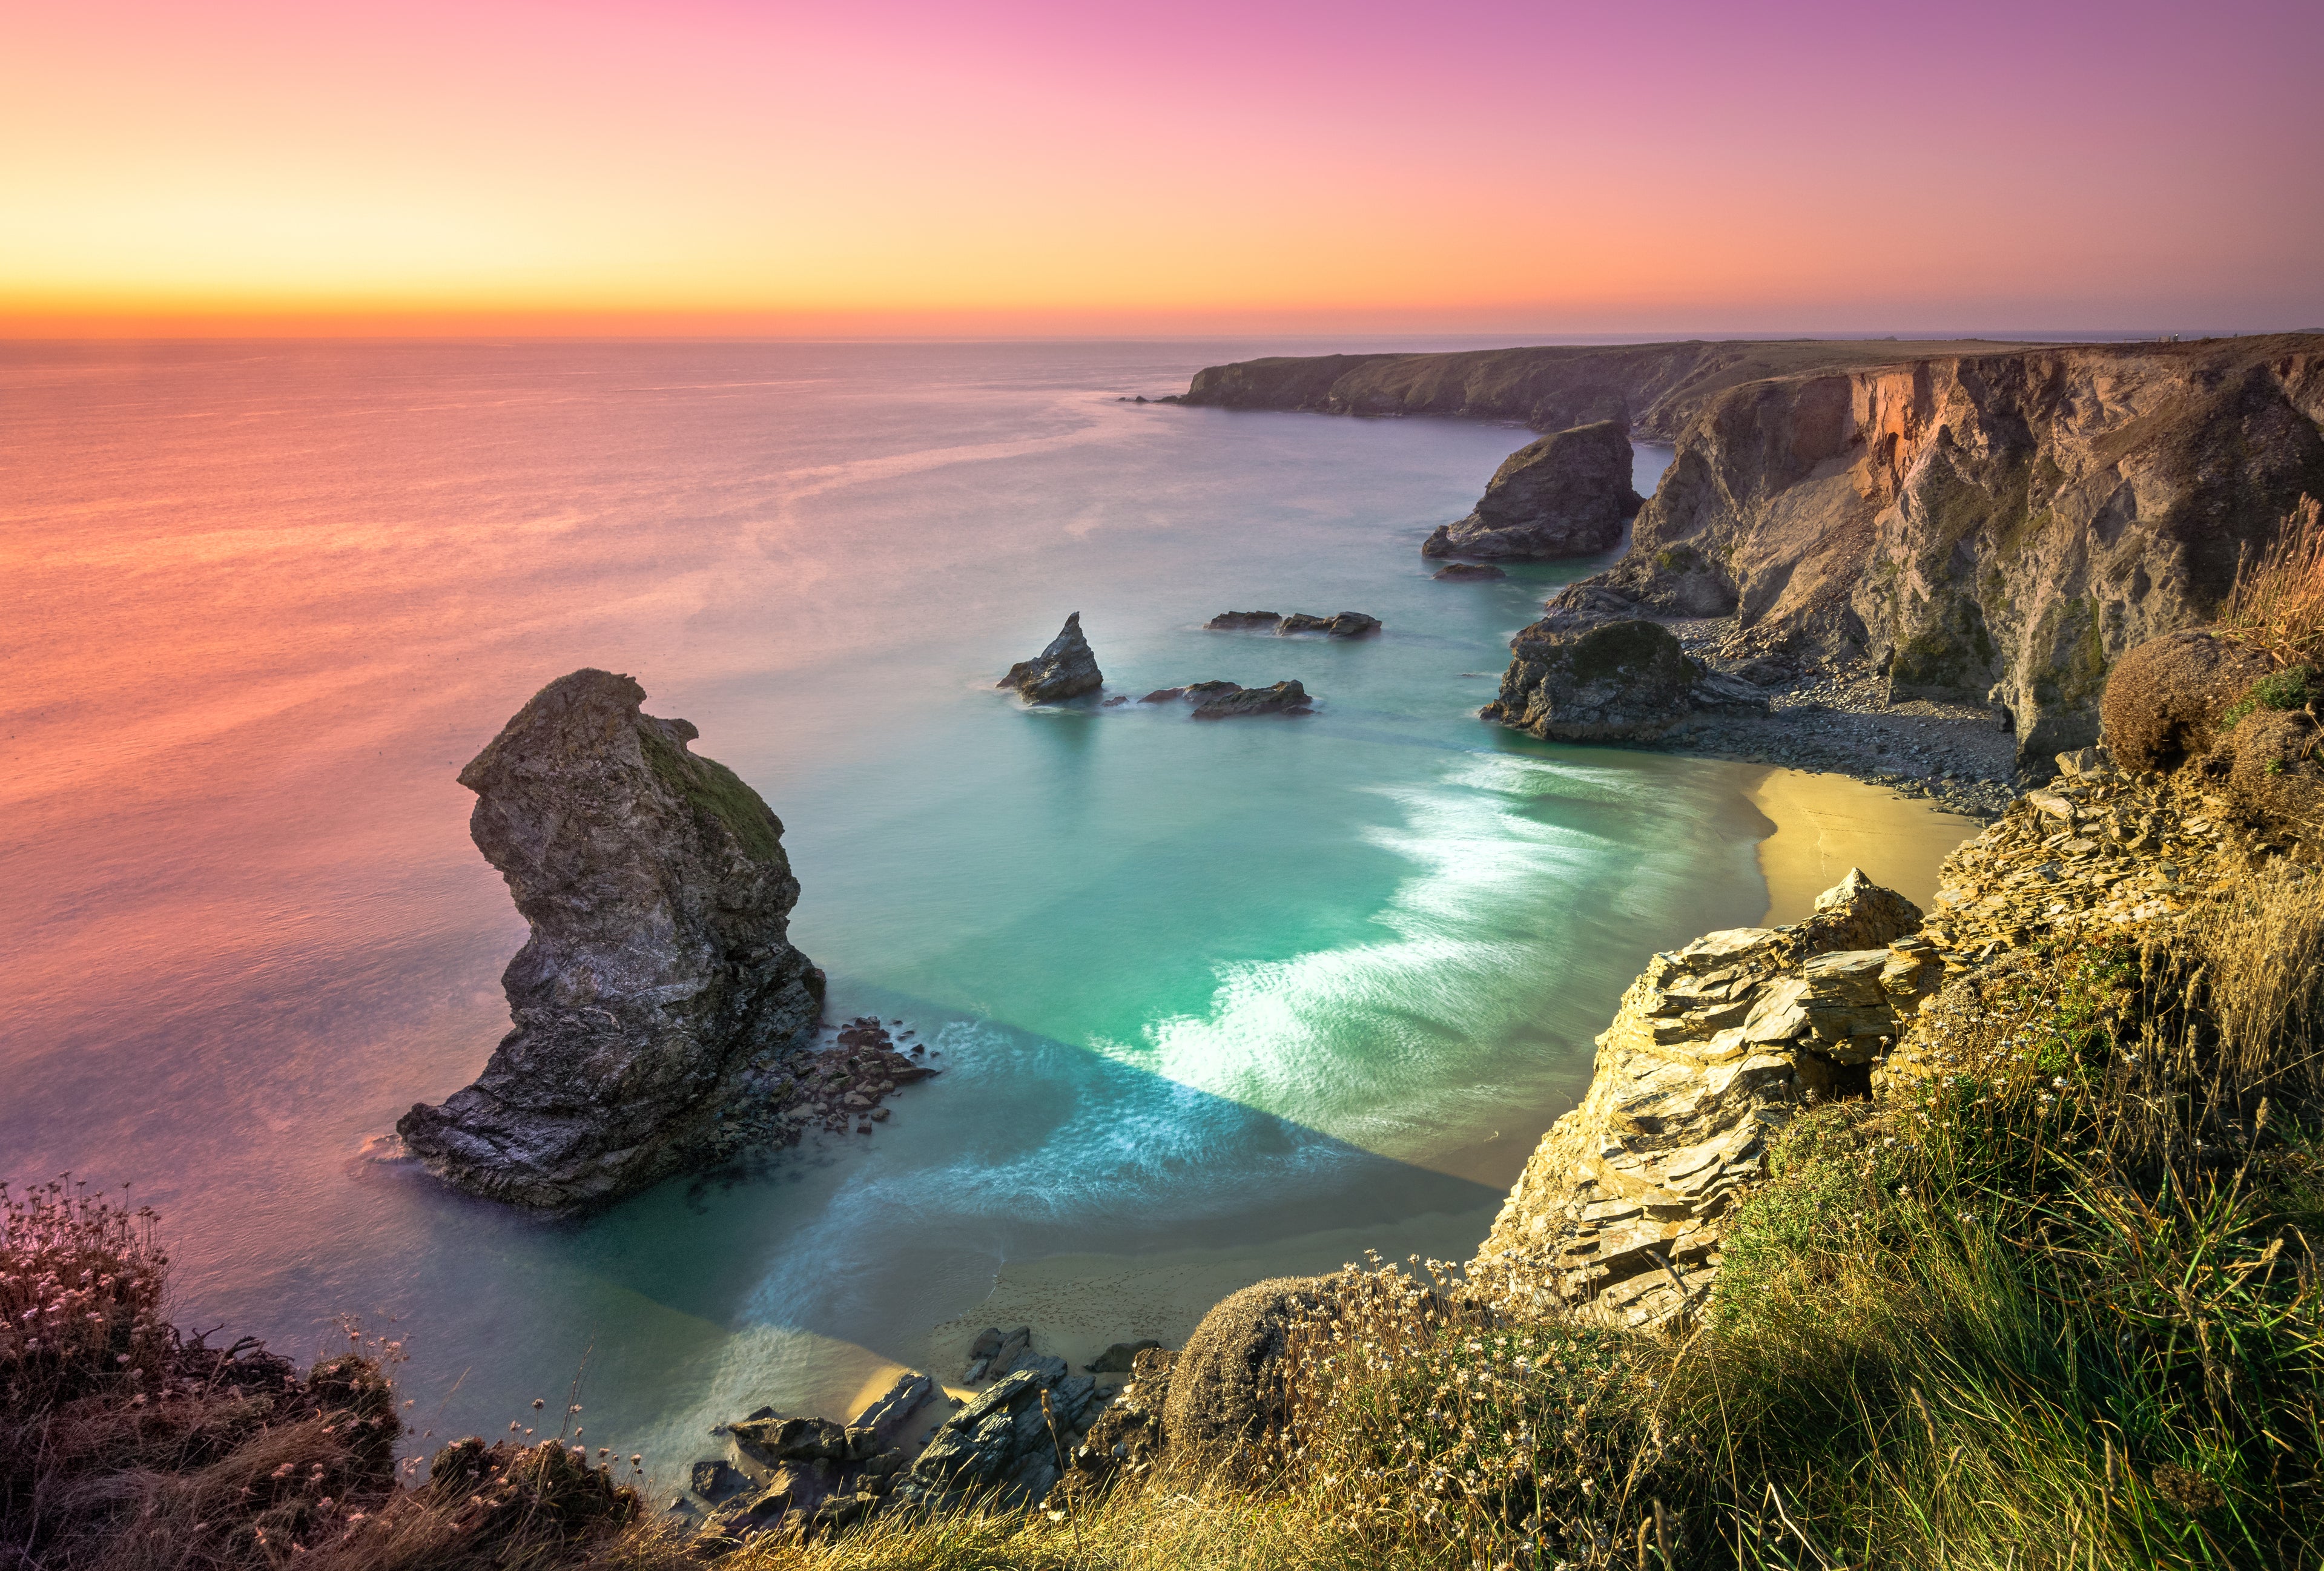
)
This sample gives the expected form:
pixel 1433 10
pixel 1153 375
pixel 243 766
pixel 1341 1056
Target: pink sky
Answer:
pixel 1192 166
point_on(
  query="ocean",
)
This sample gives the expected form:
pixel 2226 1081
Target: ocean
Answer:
pixel 1213 1002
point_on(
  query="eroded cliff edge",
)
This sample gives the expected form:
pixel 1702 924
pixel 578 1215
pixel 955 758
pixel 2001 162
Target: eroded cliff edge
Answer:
pixel 1972 522
pixel 659 977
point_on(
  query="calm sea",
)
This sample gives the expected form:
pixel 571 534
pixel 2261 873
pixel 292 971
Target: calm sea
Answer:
pixel 1251 992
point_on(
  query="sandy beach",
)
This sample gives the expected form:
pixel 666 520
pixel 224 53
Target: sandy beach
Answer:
pixel 1828 823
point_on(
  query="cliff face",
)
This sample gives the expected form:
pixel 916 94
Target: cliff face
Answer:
pixel 2007 523
pixel 1975 520
pixel 659 971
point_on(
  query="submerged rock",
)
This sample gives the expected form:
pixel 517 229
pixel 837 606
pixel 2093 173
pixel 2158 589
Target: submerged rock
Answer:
pixel 1065 669
pixel 1568 494
pixel 660 970
pixel 1458 571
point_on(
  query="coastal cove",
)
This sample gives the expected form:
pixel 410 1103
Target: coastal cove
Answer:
pixel 1212 1003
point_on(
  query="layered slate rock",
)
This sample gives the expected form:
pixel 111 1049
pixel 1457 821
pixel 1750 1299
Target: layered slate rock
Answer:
pixel 659 975
pixel 1585 680
pixel 1065 669
pixel 805 1470
pixel 1568 494
pixel 1005 1447
pixel 1619 1215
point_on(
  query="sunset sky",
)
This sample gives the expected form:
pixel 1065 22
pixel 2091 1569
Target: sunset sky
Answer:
pixel 911 166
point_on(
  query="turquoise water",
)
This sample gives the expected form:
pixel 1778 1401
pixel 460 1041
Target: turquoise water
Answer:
pixel 1261 987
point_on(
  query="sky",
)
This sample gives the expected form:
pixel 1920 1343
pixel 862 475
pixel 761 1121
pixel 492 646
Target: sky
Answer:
pixel 965 168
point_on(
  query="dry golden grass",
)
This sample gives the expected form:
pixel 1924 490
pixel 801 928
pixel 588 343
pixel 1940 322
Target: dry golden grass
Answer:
pixel 2277 604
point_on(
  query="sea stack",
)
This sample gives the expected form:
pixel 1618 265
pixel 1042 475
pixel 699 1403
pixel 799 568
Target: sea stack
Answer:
pixel 1568 494
pixel 659 971
pixel 1065 669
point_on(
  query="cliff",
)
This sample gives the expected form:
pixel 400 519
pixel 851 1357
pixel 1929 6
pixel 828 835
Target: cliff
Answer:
pixel 660 974
pixel 1972 521
pixel 1657 390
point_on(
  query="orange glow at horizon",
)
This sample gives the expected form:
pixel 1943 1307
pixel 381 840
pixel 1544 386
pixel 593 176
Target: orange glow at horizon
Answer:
pixel 720 167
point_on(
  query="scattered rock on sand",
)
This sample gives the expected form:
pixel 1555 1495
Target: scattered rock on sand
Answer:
pixel 1065 669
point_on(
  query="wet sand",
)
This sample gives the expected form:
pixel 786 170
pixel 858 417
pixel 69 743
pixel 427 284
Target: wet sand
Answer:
pixel 1828 823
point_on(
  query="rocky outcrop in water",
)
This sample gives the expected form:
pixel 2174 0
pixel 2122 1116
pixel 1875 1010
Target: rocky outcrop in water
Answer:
pixel 1065 669
pixel 1347 624
pixel 1462 572
pixel 1568 494
pixel 660 974
pixel 1585 681
pixel 1232 702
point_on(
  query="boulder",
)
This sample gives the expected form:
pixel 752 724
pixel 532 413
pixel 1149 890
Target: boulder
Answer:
pixel 1458 571
pixel 1065 669
pixel 1226 1386
pixel 1282 698
pixel 1239 621
pixel 714 1481
pixel 2164 698
pixel 1121 1357
pixel 1568 494
pixel 1607 680
pixel 659 971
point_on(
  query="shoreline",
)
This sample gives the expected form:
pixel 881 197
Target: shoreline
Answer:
pixel 1078 1303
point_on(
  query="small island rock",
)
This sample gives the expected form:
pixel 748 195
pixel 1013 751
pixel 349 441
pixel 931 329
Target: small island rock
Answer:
pixel 1239 621
pixel 1282 698
pixel 1065 669
pixel 659 971
pixel 1568 494
pixel 1347 624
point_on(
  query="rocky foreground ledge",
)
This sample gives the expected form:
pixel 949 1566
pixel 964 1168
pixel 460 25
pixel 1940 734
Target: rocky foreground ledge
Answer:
pixel 1621 1214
